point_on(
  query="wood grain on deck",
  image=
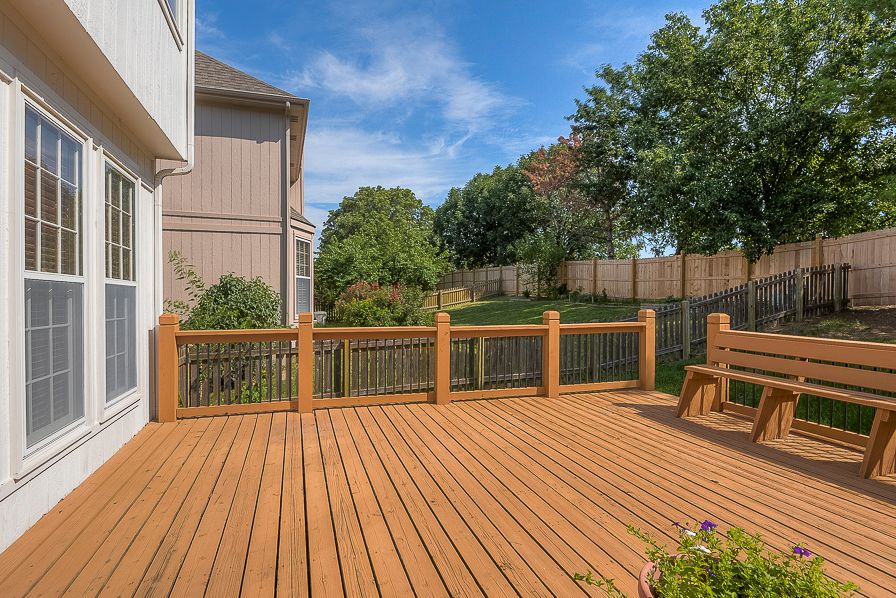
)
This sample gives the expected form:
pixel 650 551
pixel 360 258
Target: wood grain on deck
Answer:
pixel 492 497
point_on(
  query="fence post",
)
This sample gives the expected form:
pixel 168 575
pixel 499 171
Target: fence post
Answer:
pixel 716 323
pixel 751 305
pixel 684 275
pixel 443 359
pixel 517 291
pixel 798 294
pixel 647 350
pixel 685 329
pixel 166 364
pixel 594 277
pixel 818 254
pixel 550 355
pixel 838 287
pixel 305 345
pixel 439 299
pixel 634 279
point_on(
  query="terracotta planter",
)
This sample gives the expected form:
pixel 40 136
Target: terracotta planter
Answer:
pixel 644 590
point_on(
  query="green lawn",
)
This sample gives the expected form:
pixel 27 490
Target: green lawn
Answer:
pixel 507 310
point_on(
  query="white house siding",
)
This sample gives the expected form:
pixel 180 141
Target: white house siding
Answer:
pixel 30 67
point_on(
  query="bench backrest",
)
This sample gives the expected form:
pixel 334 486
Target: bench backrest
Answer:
pixel 852 363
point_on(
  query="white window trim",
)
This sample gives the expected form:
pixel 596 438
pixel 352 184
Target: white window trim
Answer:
pixel 174 20
pixel 24 459
pixel 107 410
pixel 309 278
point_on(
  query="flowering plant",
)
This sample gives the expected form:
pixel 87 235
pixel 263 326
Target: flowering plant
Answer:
pixel 709 562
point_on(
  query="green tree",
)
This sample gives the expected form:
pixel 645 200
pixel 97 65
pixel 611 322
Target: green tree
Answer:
pixel 741 138
pixel 234 302
pixel 480 223
pixel 606 164
pixel 378 235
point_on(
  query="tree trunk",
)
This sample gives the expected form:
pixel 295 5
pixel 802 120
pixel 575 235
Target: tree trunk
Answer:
pixel 611 242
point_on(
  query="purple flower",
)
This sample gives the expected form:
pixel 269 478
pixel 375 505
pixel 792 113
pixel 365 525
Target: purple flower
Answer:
pixel 708 526
pixel 803 552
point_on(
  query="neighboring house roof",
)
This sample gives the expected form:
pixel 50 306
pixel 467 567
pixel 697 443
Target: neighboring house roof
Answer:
pixel 296 215
pixel 212 74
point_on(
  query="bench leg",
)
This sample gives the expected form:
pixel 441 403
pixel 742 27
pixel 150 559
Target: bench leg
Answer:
pixel 880 453
pixel 699 395
pixel 775 414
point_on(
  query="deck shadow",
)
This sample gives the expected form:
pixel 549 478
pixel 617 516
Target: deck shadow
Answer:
pixel 826 461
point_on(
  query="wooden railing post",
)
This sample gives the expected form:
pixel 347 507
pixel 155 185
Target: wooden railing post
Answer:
pixel 443 359
pixel 685 329
pixel 751 305
pixel 550 355
pixel 306 362
pixel 647 350
pixel 166 363
pixel 838 287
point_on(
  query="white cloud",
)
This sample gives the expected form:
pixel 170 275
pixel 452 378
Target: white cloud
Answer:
pixel 408 63
pixel 339 160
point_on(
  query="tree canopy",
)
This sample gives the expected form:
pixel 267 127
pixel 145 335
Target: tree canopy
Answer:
pixel 378 235
pixel 480 223
pixel 743 132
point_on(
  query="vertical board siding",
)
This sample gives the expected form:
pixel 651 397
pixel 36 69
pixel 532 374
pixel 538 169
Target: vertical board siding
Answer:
pixel 237 174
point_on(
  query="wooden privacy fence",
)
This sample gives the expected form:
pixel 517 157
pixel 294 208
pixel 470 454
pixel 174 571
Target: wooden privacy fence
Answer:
pixel 442 298
pixel 871 254
pixel 217 372
pixel 681 326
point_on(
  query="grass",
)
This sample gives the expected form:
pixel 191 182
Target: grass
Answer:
pixel 507 310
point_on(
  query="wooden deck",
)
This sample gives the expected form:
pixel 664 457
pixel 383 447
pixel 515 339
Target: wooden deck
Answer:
pixel 495 497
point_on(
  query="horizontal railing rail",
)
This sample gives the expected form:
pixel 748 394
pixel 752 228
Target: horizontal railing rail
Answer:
pixel 215 372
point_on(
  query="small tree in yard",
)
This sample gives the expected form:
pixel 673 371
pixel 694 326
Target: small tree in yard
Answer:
pixel 235 302
pixel 369 304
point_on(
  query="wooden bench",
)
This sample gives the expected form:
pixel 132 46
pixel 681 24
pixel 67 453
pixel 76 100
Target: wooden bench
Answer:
pixel 787 361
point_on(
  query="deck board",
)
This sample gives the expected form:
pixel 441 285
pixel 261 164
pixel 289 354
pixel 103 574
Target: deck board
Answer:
pixel 490 497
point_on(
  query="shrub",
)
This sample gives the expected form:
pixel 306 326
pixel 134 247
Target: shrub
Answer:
pixel 542 255
pixel 708 562
pixel 235 302
pixel 369 304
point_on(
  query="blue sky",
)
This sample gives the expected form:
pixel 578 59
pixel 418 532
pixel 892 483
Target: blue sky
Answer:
pixel 420 95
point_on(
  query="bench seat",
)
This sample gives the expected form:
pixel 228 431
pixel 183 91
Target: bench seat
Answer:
pixel 792 359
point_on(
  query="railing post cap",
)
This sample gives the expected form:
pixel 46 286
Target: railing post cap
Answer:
pixel 306 318
pixel 167 319
pixel 443 318
pixel 646 314
pixel 719 318
pixel 551 315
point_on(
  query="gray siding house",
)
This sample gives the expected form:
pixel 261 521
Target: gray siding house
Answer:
pixel 241 209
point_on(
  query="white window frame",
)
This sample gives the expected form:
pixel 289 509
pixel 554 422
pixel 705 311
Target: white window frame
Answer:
pixel 174 19
pixel 310 277
pixel 126 399
pixel 25 459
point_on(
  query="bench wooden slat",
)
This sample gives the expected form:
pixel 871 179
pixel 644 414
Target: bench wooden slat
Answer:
pixel 820 371
pixel 854 352
pixel 838 394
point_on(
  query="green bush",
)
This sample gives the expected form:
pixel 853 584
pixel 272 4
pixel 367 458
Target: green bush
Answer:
pixel 542 254
pixel 235 302
pixel 369 304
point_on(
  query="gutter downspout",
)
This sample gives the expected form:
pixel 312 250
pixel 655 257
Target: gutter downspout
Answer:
pixel 186 168
pixel 288 306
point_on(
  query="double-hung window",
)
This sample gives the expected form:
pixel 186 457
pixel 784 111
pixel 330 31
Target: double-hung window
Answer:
pixel 54 283
pixel 303 276
pixel 121 289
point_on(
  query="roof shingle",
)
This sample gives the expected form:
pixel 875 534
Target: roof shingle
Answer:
pixel 216 75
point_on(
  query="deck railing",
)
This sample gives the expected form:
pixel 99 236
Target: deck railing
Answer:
pixel 253 371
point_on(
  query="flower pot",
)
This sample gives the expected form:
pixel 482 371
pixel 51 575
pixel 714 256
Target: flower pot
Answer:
pixel 644 590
